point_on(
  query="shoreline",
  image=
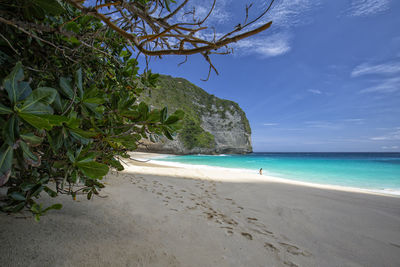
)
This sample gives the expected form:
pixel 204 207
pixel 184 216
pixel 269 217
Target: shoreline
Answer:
pixel 158 215
pixel 265 177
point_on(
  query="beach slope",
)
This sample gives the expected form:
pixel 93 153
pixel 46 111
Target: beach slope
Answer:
pixel 177 216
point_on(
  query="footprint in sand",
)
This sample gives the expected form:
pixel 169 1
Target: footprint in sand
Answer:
pixel 290 264
pixel 270 247
pixel 294 250
pixel 247 235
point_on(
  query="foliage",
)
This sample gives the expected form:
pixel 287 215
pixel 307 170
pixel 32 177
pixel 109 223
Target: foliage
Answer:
pixel 69 107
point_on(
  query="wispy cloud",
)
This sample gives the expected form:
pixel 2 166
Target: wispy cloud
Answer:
pixel 389 85
pixel 363 8
pixel 219 14
pixel 390 147
pixel 357 121
pixel 386 68
pixel 289 13
pixel 265 46
pixel 314 91
pixel 387 77
pixel 270 124
pixel 285 14
pixel 323 124
pixel 391 136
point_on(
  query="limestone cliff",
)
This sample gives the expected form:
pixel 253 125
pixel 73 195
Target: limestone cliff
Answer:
pixel 211 125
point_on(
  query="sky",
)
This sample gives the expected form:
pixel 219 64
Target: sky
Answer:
pixel 324 77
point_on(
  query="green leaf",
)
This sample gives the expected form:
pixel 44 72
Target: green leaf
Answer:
pixel 87 157
pixel 133 115
pixel 128 142
pixel 31 139
pixel 55 139
pixel 24 90
pixel 154 116
pixel 4 109
pixel 6 156
pixel 66 89
pixel 39 109
pixel 53 7
pixel 55 120
pixel 93 169
pixel 179 113
pixel 116 164
pixel 26 186
pixel 144 110
pixel 163 114
pixel 59 104
pixel 30 157
pixel 167 133
pixel 59 164
pixel 18 207
pixel 86 134
pixel 17 196
pixel 73 122
pixel 172 119
pixel 73 26
pixel 36 121
pixel 36 208
pixel 42 95
pixel 11 83
pixel 11 130
pixel 53 207
pixel 94 100
pixel 50 192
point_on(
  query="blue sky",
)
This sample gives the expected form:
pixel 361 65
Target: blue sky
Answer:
pixel 324 77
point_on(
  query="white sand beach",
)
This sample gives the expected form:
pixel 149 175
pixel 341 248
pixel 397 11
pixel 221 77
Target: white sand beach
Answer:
pixel 156 215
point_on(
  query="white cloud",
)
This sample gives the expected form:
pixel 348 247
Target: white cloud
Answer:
pixel 270 124
pixel 323 124
pixel 288 13
pixel 395 135
pixel 220 14
pixel 386 68
pixel 357 121
pixel 285 15
pixel 363 8
pixel 314 91
pixel 389 85
pixel 266 46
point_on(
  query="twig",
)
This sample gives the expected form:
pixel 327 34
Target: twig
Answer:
pixel 10 44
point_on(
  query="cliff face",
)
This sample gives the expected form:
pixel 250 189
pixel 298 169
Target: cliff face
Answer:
pixel 211 125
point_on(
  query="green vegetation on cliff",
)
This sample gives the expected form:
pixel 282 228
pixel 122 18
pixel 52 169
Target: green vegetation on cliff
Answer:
pixel 178 93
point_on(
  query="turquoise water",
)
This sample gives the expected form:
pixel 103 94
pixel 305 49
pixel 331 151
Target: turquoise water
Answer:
pixel 376 171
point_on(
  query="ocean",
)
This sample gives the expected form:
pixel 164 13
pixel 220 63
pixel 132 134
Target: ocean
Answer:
pixel 372 171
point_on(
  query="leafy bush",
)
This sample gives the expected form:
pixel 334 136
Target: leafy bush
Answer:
pixel 71 134
pixel 68 112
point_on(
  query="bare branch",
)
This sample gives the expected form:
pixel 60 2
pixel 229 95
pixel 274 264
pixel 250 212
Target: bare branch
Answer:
pixel 153 35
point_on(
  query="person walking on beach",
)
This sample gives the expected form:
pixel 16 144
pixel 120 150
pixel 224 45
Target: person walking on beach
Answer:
pixel 260 172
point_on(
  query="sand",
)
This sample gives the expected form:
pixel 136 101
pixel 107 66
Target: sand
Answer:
pixel 156 215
